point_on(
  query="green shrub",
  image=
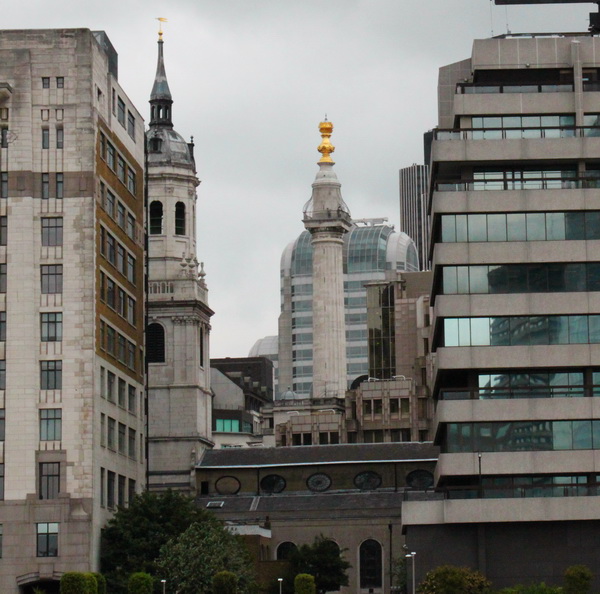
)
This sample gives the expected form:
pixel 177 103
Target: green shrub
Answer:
pixel 578 580
pixel 224 582
pixel 540 588
pixel 100 582
pixel 448 579
pixel 76 582
pixel 140 583
pixel 304 583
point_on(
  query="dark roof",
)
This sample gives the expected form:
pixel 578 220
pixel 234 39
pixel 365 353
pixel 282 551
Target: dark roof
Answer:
pixel 321 454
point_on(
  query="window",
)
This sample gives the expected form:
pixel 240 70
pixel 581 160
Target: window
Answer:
pixel 121 111
pixel 50 424
pixel 47 539
pixel 2 424
pixel 2 374
pixel 130 493
pixel 52 231
pixel 122 435
pixel 121 215
pixel 60 138
pixel 3 230
pixel 45 186
pixel 103 430
pixel 52 279
pixel 102 487
pixel 60 82
pixel 49 480
pixel 109 203
pixel 110 155
pixel 121 258
pixel 131 269
pixel 156 217
pixel 131 310
pixel 122 392
pixel 110 436
pixel 60 185
pixel 45 82
pixel 131 444
pixel 45 138
pixel 227 425
pixel 51 324
pixel 51 375
pixel 370 564
pixel 122 345
pixel 111 380
pixel 2 278
pixel 110 292
pixel 4 137
pixel 180 218
pixel 131 124
pixel 4 184
pixel 121 491
pixel 131 180
pixel 130 226
pixel 131 399
pixel 110 489
pixel 111 249
pixel 285 551
pixel 155 343
pixel 130 355
pixel 121 169
pixel 121 301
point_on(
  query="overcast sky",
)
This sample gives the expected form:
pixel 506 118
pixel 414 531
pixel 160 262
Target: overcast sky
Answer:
pixel 251 79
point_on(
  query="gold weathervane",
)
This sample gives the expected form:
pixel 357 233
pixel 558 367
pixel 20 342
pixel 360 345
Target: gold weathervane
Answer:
pixel 160 20
pixel 326 148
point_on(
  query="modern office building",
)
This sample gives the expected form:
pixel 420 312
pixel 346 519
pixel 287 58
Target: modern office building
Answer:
pixel 515 212
pixel 413 209
pixel 179 396
pixel 372 251
pixel 72 404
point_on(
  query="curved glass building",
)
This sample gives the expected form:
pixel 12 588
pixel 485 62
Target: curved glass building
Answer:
pixel 372 248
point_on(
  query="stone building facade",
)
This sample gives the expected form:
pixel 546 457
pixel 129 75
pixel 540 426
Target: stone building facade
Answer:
pixel 71 302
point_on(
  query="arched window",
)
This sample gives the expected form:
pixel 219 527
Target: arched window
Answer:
pixel 156 217
pixel 155 343
pixel 285 550
pixel 180 218
pixel 370 564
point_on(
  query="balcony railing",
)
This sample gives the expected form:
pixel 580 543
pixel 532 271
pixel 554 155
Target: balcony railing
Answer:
pixel 552 132
pixel 477 89
pixel 501 393
pixel 534 183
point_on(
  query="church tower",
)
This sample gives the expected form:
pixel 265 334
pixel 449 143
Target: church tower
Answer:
pixel 179 400
pixel 327 219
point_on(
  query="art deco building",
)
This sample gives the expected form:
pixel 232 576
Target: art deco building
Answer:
pixel 179 397
pixel 72 410
pixel 515 209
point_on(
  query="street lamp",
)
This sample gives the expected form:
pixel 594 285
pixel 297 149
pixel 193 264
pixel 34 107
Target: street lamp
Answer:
pixel 414 583
pixel 280 580
pixel 164 583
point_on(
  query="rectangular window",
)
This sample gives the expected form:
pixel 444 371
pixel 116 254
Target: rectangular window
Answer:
pixel 103 430
pixel 60 82
pixel 121 111
pixel 52 279
pixel 130 496
pixel 121 491
pixel 121 169
pixel 2 326
pixel 121 259
pixel 45 82
pixel 111 380
pixel 111 249
pixel 2 374
pixel 122 353
pixel 110 489
pixel 2 278
pixel 2 424
pixel 131 269
pixel 111 338
pixel 122 393
pixel 131 180
pixel 45 186
pixel 130 226
pixel 121 215
pixel 110 155
pixel 3 230
pixel 50 424
pixel 102 487
pixel 4 184
pixel 131 444
pixel 4 137
pixel 131 124
pixel 109 203
pixel 130 355
pixel 60 138
pixel 52 231
pixel 110 292
pixel 60 192
pixel 121 303
pixel 47 539
pixel 110 435
pixel 45 138
pixel 50 375
pixel 131 311
pixel 131 399
pixel 49 480
pixel 2 481
pixel 122 438
pixel 51 327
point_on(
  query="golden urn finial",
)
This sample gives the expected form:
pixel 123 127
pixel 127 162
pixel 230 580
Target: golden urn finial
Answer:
pixel 326 148
pixel 160 20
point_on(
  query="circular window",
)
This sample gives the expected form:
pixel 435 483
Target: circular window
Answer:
pixel 419 479
pixel 318 482
pixel 272 483
pixel 227 485
pixel 367 481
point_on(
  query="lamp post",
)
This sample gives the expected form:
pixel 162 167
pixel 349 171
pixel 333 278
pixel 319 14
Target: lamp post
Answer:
pixel 280 580
pixel 412 555
pixel 164 583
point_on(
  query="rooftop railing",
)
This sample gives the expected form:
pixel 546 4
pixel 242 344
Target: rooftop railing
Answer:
pixel 504 393
pixel 536 183
pixel 476 89
pixel 517 133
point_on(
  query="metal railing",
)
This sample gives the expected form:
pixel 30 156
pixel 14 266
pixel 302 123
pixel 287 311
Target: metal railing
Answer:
pixel 520 393
pixel 477 89
pixel 530 183
pixel 551 132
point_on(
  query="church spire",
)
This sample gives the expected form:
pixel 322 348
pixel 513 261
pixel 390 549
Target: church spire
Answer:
pixel 160 97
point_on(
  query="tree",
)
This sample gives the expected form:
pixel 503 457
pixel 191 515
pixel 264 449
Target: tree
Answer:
pixel 578 580
pixel 540 588
pixel 78 582
pixel 448 579
pixel 190 561
pixel 140 583
pixel 324 561
pixel 224 582
pixel 304 584
pixel 132 539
